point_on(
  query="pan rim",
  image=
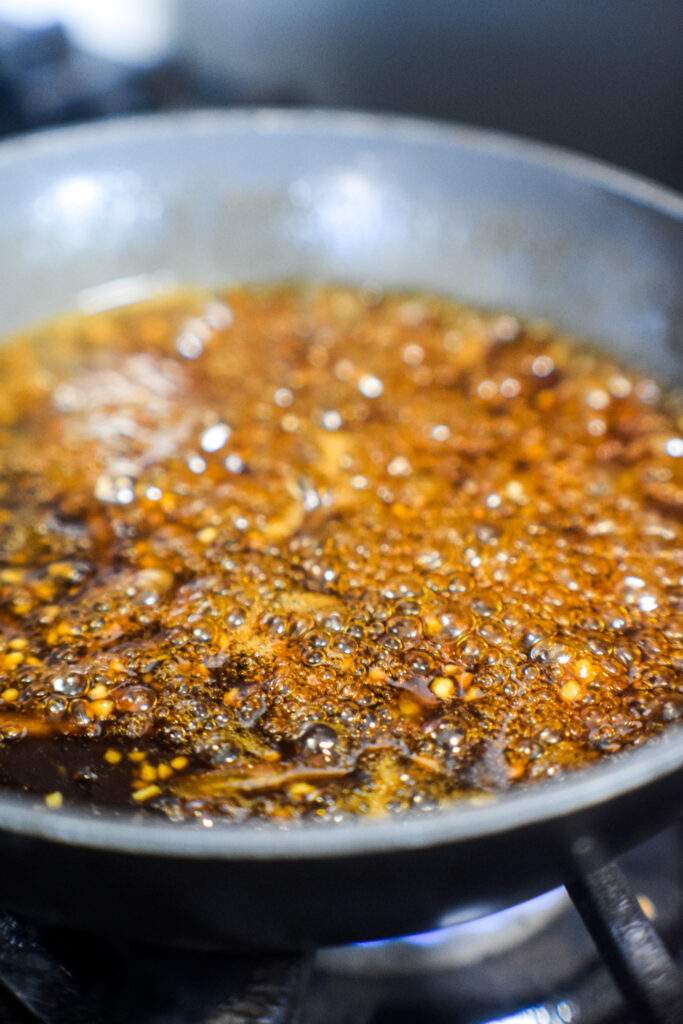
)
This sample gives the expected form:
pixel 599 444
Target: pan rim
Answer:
pixel 133 832
pixel 349 123
pixel 465 820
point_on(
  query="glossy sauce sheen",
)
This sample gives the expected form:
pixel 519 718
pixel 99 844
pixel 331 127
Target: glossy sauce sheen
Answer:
pixel 292 551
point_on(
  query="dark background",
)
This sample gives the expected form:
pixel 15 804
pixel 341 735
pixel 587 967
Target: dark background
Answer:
pixel 604 77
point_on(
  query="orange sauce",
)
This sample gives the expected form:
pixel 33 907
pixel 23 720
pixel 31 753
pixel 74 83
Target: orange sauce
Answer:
pixel 313 551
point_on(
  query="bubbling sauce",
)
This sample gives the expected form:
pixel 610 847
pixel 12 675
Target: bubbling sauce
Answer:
pixel 295 551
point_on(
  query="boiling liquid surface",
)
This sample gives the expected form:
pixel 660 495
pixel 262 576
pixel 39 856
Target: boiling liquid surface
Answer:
pixel 292 552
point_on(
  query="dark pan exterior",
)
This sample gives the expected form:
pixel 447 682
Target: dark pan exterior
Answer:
pixel 255 195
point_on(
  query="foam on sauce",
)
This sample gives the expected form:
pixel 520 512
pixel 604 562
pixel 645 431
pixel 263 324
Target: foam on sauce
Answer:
pixel 294 551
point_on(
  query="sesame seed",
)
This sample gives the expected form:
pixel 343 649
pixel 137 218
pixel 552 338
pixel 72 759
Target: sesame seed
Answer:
pixel 399 466
pixel 619 386
pixel 542 366
pixel 331 420
pixel 283 397
pixel 125 494
pixel 487 390
pixel 510 387
pixel 413 355
pixel 189 345
pixel 597 399
pixel 290 423
pixel 215 436
pixel 234 463
pixel 370 386
pixel 219 316
pixel 674 447
pixel 343 370
pixel 140 795
pixel 442 687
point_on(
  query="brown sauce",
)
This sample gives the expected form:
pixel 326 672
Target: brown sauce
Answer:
pixel 294 551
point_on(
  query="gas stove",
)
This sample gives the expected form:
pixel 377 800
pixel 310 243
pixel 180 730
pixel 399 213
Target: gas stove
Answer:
pixel 535 963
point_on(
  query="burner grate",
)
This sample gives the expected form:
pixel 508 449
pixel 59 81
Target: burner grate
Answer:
pixel 647 975
pixel 37 987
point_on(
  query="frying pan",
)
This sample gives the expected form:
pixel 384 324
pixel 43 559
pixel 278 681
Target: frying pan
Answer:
pixel 211 197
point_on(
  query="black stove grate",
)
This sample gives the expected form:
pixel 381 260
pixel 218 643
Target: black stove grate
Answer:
pixel 36 986
pixel 641 964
